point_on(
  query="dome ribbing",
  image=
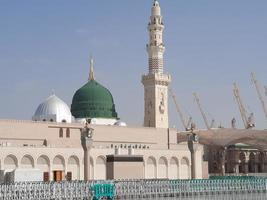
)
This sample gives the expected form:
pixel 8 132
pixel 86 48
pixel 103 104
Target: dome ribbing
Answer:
pixel 93 101
pixel 53 109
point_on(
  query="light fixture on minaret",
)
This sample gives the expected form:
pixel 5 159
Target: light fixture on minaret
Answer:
pixel 156 82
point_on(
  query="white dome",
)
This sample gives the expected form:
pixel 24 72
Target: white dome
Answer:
pixel 120 123
pixel 53 109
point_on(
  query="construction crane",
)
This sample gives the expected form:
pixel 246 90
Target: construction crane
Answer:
pixel 188 125
pixel 248 121
pixel 209 126
pixel 256 84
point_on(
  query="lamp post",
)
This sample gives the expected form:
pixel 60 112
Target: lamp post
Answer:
pixel 192 143
pixel 87 143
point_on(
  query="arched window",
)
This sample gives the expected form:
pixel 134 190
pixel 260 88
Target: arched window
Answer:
pixel 64 121
pixel 151 168
pixel 51 120
pixel 61 132
pixel 163 168
pixel 68 132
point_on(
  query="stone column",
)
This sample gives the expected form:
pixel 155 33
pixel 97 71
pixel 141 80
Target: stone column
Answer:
pixel 246 163
pixel 246 168
pixel 222 160
pixel 262 166
pixel 193 145
pixel 87 143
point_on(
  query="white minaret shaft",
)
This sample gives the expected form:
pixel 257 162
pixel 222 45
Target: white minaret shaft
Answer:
pixel 156 82
pixel 155 48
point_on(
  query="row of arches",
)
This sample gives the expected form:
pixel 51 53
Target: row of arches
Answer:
pixel 58 164
pixel 172 169
pixel 252 162
pixel 161 168
pixel 72 166
pixel 59 168
pixel 240 162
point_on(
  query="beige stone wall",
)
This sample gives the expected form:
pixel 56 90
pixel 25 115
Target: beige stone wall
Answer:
pixel 22 146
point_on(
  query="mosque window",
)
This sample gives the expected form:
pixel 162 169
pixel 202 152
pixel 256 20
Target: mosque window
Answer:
pixel 51 120
pixel 68 133
pixel 61 132
pixel 44 120
pixel 64 121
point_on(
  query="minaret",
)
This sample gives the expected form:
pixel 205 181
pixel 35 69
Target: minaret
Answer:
pixel 156 82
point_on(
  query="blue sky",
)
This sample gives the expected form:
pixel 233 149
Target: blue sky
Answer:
pixel 46 45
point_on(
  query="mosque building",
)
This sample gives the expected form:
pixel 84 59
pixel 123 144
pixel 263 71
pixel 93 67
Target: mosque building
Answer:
pixel 88 140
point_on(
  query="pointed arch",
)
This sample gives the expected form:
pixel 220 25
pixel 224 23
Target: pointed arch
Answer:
pixel 174 168
pixel 151 168
pixel 74 167
pixel 43 163
pixel 163 168
pixel 59 163
pixel 10 162
pixel 59 168
pixel 27 162
pixel 185 168
pixel 252 163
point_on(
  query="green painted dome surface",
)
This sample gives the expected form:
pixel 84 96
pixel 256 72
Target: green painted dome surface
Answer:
pixel 93 101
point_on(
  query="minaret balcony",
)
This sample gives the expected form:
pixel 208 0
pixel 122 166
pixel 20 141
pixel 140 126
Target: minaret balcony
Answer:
pixel 155 48
pixel 155 27
pixel 156 78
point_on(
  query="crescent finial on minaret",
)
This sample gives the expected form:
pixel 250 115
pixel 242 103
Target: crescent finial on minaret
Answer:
pixel 156 2
pixel 91 74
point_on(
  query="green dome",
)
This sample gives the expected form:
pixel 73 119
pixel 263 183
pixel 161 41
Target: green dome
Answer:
pixel 93 101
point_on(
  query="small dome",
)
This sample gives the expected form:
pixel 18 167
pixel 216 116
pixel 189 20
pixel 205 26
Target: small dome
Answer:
pixel 120 123
pixel 53 109
pixel 93 101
